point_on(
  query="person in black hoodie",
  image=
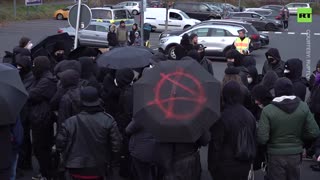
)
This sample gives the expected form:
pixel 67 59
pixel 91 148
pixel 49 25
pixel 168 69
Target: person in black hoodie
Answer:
pixel 252 77
pixel 112 37
pixel 222 161
pixel 314 100
pixel 58 54
pixel 70 102
pixel 273 62
pixel 313 76
pixel 269 80
pixel 235 59
pixel 40 93
pixel 87 72
pixel 24 65
pixel 293 71
pixel 183 48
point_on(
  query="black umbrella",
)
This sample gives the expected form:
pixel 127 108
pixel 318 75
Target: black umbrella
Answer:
pixel 177 100
pixel 84 51
pixel 46 46
pixel 13 94
pixel 125 57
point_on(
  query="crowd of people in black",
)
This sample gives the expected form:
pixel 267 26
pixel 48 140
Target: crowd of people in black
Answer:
pixel 95 134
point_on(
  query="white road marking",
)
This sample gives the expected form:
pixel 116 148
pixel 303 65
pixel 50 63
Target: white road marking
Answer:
pixel 303 33
pixel 317 34
pixel 291 32
pixel 278 32
pixel 155 49
pixel 266 32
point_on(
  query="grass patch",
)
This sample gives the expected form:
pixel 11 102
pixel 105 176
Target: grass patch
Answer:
pixel 27 13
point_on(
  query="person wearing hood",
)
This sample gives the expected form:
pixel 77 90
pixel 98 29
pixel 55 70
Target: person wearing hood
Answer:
pixel 249 61
pixel 283 126
pixel 273 62
pixel 24 65
pixel 58 53
pixel 87 72
pixel 293 71
pixel 69 104
pixel 233 74
pixel 262 98
pixel 222 161
pixel 235 59
pixel 89 140
pixel 314 100
pixel 24 47
pixel 252 77
pixel 269 80
pixel 122 34
pixel 194 39
pixel 313 76
pixel 183 48
pixel 40 93
pixel 133 35
pixel 112 37
pixel 124 79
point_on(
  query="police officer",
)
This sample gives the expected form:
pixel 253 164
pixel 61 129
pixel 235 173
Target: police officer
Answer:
pixel 242 43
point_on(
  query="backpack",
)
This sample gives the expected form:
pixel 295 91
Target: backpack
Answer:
pixel 246 145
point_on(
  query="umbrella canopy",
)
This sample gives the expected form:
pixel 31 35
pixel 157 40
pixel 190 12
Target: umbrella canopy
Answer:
pixel 125 57
pixel 176 101
pixel 46 46
pixel 13 94
pixel 84 51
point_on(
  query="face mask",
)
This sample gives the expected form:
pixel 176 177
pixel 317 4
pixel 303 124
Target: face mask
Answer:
pixel 29 46
pixel 250 80
pixel 260 106
pixel 286 71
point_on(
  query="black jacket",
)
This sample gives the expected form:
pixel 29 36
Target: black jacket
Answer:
pixel 110 95
pixel 224 133
pixel 132 36
pixel 88 72
pixel 278 67
pixel 295 75
pixel 142 144
pixel 22 51
pixel 313 77
pixel 269 80
pixel 182 50
pixel 317 147
pixel 40 94
pixel 253 72
pixel 89 141
pixel 112 39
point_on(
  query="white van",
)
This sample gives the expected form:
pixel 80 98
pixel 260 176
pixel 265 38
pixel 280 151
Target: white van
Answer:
pixel 177 20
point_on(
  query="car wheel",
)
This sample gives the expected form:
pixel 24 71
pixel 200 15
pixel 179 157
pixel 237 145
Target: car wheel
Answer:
pixel 59 17
pixel 186 26
pixel 171 53
pixel 270 27
pixel 211 18
pixel 135 12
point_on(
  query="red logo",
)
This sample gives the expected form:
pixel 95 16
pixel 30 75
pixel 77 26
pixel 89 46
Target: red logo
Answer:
pixel 167 105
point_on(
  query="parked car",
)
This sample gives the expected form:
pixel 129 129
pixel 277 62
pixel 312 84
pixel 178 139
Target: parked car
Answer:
pixel 264 39
pixel 95 35
pixel 216 35
pixel 293 7
pixel 61 14
pixel 268 13
pixel 177 19
pixel 111 15
pixel 132 6
pixel 198 10
pixel 277 8
pixel 258 21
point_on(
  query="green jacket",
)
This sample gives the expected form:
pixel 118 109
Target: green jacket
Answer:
pixel 284 124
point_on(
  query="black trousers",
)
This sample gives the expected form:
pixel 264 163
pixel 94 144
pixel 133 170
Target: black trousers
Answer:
pixel 25 155
pixel 5 152
pixel 42 143
pixel 142 170
pixel 284 167
pixel 285 24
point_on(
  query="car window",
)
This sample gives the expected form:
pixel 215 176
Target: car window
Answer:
pixel 216 32
pixel 201 32
pixel 91 28
pixel 290 5
pixel 255 16
pixel 203 8
pixel 101 14
pixel 134 4
pixel 120 14
pixel 101 28
pixel 264 13
pixel 175 16
pixel 241 15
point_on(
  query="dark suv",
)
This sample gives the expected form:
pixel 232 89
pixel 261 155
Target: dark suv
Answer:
pixel 198 10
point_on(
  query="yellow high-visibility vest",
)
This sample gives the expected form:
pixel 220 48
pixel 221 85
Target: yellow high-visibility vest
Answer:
pixel 242 45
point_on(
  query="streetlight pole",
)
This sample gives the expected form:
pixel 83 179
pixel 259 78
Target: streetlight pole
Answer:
pixel 77 25
pixel 15 8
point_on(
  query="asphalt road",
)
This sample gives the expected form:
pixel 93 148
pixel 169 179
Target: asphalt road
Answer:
pixel 291 44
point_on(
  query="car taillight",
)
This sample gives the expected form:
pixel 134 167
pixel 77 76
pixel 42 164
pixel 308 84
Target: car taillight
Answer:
pixel 255 36
pixel 60 31
pixel 277 17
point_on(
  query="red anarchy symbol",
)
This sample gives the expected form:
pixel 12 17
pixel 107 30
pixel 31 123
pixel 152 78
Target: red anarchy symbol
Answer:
pixel 197 95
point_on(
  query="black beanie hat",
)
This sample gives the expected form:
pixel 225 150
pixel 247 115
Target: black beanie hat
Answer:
pixel 283 87
pixel 262 94
pixel 124 77
pixel 232 70
pixel 23 42
pixel 59 45
pixel 232 93
pixel 42 63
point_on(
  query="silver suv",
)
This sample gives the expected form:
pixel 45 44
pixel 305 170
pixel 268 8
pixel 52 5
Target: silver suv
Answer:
pixel 217 38
pixel 132 6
